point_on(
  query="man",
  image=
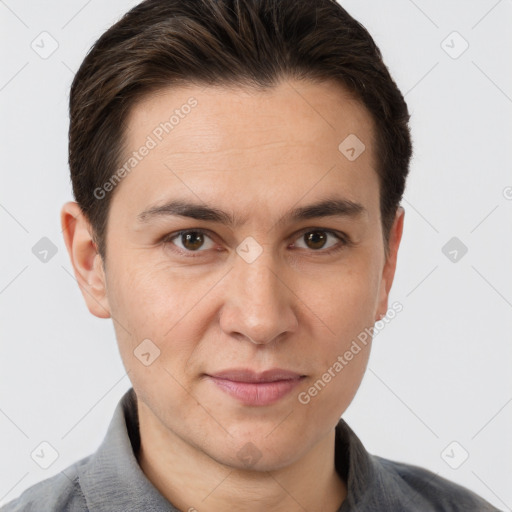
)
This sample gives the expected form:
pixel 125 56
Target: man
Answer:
pixel 238 169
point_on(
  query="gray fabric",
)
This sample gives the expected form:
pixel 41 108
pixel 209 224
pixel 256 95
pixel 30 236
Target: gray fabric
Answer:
pixel 111 479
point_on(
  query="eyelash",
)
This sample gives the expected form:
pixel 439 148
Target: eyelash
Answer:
pixel 344 241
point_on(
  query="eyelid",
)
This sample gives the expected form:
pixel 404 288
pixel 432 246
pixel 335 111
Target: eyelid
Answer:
pixel 171 236
pixel 338 234
pixel 344 240
pixel 342 237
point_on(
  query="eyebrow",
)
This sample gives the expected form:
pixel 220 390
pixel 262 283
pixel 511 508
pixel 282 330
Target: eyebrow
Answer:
pixel 330 207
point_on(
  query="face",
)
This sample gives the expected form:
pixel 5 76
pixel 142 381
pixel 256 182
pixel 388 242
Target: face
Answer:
pixel 271 284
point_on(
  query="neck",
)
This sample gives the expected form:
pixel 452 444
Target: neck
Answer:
pixel 193 481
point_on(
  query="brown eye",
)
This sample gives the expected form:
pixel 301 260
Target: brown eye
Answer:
pixel 315 239
pixel 192 240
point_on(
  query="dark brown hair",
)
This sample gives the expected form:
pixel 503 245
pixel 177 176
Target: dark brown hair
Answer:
pixel 254 43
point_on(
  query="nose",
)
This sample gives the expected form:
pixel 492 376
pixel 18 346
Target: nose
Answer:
pixel 259 304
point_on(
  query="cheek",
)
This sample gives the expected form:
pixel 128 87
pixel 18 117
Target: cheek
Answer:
pixel 342 356
pixel 161 304
pixel 141 307
pixel 153 296
pixel 346 305
pixel 153 333
pixel 347 299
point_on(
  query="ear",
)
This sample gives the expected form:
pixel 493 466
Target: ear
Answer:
pixel 388 272
pixel 86 261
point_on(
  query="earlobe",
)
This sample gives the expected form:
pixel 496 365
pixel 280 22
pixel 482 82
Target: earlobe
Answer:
pixel 86 262
pixel 388 272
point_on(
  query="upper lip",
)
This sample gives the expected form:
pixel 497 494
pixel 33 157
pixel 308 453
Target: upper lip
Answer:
pixel 247 375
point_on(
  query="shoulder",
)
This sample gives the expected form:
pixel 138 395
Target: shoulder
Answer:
pixel 59 492
pixel 421 486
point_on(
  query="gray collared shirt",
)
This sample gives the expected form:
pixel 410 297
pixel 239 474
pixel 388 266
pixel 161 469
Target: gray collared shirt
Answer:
pixel 111 479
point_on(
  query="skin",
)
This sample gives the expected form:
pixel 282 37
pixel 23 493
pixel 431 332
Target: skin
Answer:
pixel 256 155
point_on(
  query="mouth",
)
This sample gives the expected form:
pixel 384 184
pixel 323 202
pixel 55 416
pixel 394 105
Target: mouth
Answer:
pixel 256 388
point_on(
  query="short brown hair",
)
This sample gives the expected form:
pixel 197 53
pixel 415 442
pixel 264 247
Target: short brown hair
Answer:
pixel 253 43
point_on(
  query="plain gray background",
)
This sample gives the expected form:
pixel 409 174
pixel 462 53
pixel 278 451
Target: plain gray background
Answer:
pixel 439 384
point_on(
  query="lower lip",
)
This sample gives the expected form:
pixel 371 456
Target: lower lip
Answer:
pixel 257 393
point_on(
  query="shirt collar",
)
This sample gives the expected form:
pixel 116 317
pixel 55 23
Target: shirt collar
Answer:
pixel 112 479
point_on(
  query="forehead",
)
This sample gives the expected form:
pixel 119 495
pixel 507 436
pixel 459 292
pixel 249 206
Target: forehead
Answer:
pixel 304 110
pixel 240 144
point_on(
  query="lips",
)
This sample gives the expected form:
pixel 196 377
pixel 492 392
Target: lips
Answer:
pixel 256 388
pixel 246 375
